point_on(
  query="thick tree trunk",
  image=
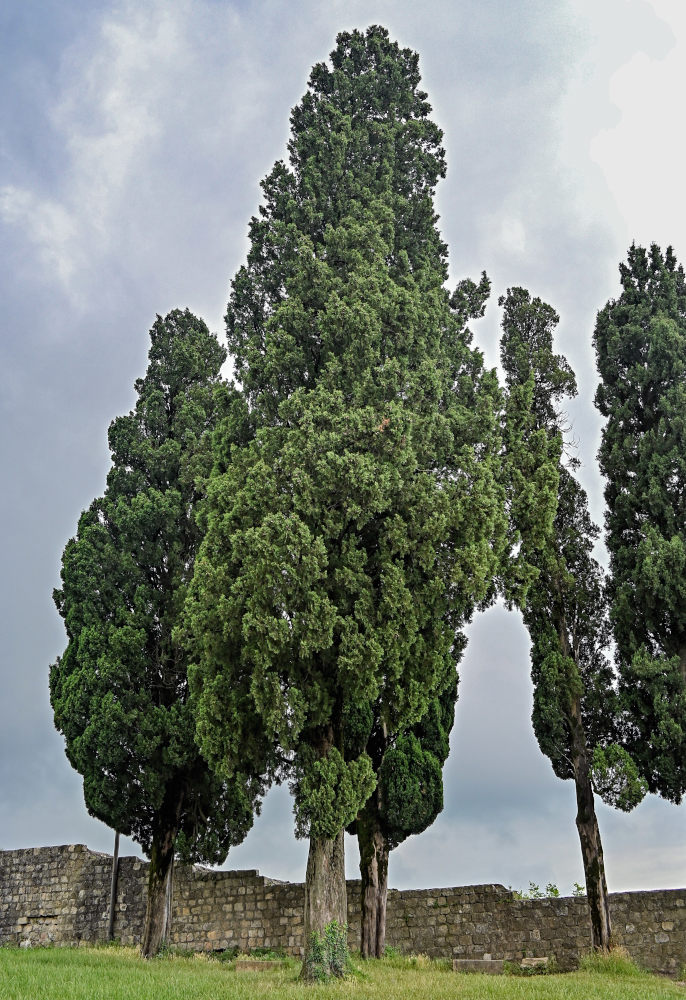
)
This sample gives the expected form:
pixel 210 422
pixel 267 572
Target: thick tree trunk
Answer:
pixel 161 858
pixel 374 853
pixel 325 894
pixel 589 835
pixel 325 890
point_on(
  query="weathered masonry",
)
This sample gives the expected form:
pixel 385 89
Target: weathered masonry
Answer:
pixel 61 895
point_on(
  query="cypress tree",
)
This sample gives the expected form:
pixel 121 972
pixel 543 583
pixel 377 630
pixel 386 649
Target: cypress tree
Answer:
pixel 120 690
pixel 640 343
pixel 349 540
pixel 564 606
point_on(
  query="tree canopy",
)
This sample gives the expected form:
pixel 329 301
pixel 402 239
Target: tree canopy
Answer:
pixel 640 343
pixel 564 607
pixel 120 690
pixel 350 539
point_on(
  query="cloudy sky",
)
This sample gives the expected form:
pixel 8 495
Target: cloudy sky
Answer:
pixel 133 136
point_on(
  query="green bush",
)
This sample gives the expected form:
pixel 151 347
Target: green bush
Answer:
pixel 328 956
pixel 616 962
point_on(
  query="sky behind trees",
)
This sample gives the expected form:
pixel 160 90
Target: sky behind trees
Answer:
pixel 133 137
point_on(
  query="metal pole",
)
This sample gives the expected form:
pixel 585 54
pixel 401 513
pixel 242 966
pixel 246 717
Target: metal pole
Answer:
pixel 113 889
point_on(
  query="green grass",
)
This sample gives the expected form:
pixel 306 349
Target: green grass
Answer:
pixel 119 974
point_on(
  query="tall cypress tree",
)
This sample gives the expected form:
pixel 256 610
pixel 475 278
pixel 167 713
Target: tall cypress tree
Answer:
pixel 564 606
pixel 120 691
pixel 349 540
pixel 640 342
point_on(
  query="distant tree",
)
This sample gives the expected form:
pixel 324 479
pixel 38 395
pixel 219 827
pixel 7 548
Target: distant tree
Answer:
pixel 120 691
pixel 349 540
pixel 564 608
pixel 640 343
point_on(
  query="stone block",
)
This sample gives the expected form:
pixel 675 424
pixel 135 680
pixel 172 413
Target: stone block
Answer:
pixel 489 966
pixel 534 963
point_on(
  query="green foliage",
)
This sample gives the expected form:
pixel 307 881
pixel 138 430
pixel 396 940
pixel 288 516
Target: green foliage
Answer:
pixel 329 791
pixel 535 380
pixel 391 953
pixel 327 957
pixel 349 539
pixel 268 954
pixel 653 690
pixel 640 342
pixel 412 780
pixel 565 609
pixel 615 962
pixel 120 974
pixel 578 890
pixel 120 691
pixel 561 591
pixel 616 777
pixel 535 892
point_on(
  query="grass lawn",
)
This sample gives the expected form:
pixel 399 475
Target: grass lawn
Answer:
pixel 119 974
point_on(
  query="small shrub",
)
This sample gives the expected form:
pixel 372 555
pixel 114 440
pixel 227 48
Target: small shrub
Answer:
pixel 615 962
pixel 535 892
pixel 328 956
pixel 270 954
pixel 391 952
pixel 228 954
pixel 578 889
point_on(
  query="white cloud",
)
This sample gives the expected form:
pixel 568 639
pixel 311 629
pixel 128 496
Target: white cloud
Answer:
pixel 121 118
pixel 643 157
pixel 48 225
pixel 108 117
pixel 619 124
pixel 512 235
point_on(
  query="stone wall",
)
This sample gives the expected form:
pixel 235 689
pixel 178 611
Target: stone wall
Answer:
pixel 61 895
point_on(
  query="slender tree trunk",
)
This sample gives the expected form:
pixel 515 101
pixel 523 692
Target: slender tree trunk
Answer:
pixel 161 858
pixel 113 887
pixel 586 819
pixel 325 894
pixel 374 853
pixel 589 835
pixel 169 903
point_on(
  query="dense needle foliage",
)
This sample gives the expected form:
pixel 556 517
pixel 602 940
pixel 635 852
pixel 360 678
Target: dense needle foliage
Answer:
pixel 640 341
pixel 565 607
pixel 349 540
pixel 120 690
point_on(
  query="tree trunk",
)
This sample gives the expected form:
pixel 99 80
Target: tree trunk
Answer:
pixel 589 835
pixel 113 887
pixel 325 895
pixel 169 903
pixel 374 853
pixel 161 858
